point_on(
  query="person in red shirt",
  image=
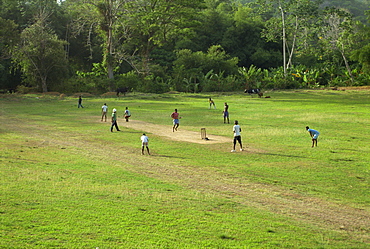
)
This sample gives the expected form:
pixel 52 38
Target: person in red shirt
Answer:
pixel 175 118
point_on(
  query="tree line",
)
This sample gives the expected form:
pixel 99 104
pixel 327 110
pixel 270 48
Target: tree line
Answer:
pixel 157 46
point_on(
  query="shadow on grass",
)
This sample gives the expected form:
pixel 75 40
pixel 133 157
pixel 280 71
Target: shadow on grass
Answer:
pixel 165 156
pixel 282 155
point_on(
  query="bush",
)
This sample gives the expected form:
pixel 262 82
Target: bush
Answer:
pixel 89 84
pixel 339 81
pixel 154 85
pixel 24 89
pixel 131 80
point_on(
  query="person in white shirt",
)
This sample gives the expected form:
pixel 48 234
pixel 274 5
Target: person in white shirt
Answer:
pixel 104 110
pixel 237 137
pixel 127 114
pixel 144 143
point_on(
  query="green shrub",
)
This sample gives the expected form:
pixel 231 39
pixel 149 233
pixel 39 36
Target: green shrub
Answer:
pixel 152 84
pixel 24 89
pixel 131 80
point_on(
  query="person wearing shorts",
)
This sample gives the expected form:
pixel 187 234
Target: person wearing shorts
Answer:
pixel 314 135
pixel 144 143
pixel 226 113
pixel 237 137
pixel 127 114
pixel 175 119
pixel 104 110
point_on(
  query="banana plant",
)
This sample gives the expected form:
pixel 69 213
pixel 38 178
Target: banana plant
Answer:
pixel 251 75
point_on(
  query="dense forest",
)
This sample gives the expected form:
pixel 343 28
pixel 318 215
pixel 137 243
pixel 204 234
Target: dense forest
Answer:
pixel 157 46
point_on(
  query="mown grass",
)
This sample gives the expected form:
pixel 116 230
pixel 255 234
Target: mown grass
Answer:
pixel 67 182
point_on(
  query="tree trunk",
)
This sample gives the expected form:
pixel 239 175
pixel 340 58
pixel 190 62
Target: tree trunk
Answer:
pixel 284 41
pixel 347 65
pixel 146 59
pixel 293 44
pixel 109 59
pixel 44 85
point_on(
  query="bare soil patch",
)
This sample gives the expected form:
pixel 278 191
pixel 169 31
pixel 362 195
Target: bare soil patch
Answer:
pixel 357 88
pixel 179 135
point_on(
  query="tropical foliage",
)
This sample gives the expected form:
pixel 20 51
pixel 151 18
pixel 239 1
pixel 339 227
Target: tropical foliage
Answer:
pixel 182 45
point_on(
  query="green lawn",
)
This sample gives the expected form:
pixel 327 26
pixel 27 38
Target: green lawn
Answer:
pixel 66 181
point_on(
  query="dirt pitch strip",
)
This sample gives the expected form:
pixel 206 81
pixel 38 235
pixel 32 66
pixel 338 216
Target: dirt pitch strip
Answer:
pixel 180 135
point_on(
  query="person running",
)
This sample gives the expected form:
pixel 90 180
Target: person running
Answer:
pixel 237 137
pixel 114 120
pixel 104 110
pixel 175 118
pixel 226 113
pixel 80 102
pixel 211 102
pixel 314 135
pixel 127 114
pixel 144 143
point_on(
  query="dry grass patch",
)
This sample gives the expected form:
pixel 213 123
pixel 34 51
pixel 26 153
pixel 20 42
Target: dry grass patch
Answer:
pixel 109 94
pixel 83 94
pixel 356 88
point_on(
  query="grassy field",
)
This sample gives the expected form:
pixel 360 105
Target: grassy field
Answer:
pixel 66 181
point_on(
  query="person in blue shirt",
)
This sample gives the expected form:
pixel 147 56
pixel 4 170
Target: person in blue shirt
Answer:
pixel 314 135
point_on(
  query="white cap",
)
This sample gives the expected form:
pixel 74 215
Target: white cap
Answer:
pixel 114 110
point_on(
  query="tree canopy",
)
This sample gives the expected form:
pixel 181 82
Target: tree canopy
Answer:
pixel 183 45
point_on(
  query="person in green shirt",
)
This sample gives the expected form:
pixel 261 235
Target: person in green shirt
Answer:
pixel 114 120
